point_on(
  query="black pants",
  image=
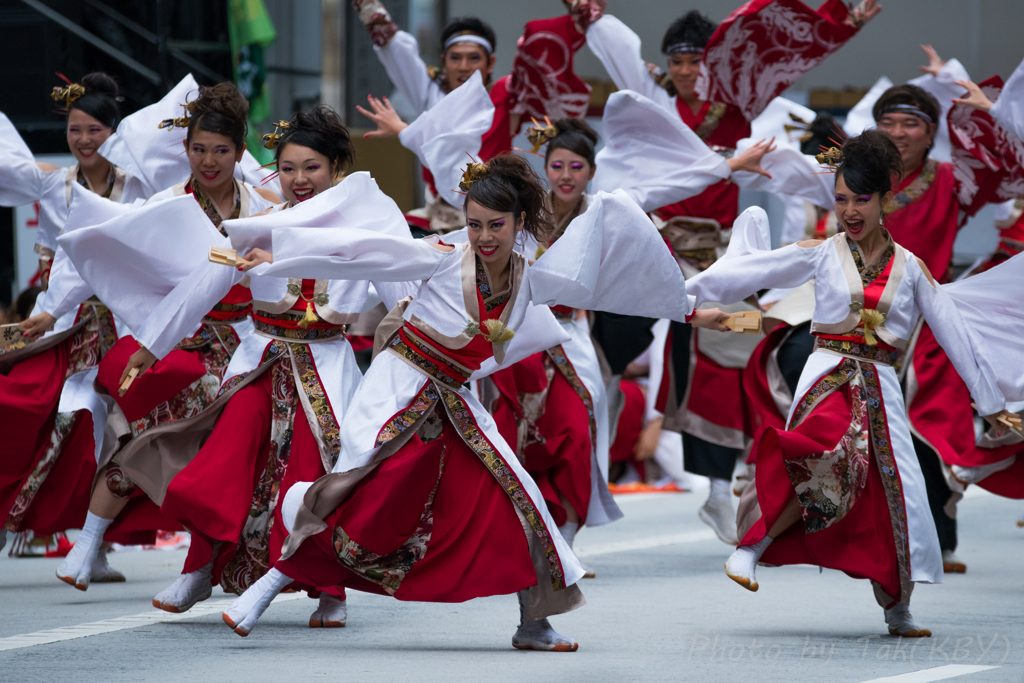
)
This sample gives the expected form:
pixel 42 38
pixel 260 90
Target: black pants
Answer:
pixel 708 459
pixel 938 494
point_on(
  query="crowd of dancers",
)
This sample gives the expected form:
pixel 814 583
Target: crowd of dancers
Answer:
pixel 191 363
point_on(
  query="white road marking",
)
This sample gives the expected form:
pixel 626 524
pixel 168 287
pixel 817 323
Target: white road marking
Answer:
pixel 646 543
pixel 939 673
pixel 94 628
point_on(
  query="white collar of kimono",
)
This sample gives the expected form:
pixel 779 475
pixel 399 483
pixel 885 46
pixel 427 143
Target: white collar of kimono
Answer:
pixel 469 38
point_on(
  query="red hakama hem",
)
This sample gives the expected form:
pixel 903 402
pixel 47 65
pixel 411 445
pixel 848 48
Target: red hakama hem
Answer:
pixel 860 543
pixel 434 511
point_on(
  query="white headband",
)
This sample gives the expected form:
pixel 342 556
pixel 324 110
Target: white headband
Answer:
pixel 469 38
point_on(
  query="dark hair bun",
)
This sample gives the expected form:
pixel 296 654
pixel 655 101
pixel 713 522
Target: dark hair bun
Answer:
pixel 220 109
pixel 99 83
pixel 320 129
pixel 575 135
pixel 693 27
pixel 819 134
pixel 510 185
pixel 870 163
pixel 100 100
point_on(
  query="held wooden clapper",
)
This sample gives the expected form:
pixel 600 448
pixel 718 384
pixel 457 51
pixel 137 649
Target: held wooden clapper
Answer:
pixel 744 322
pixel 225 257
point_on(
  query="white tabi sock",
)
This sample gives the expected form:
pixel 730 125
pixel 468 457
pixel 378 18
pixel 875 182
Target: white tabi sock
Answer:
pixel 76 569
pixel 189 589
pixel 538 634
pixel 331 613
pixel 244 612
pixel 741 566
pixel 901 623
pixel 717 512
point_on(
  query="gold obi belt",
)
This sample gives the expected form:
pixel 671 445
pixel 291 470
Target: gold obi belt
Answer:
pixel 291 326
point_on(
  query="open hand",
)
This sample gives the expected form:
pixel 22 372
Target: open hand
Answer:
pixel 935 63
pixel 751 158
pixel 863 13
pixel 36 326
pixel 254 258
pixel 975 97
pixel 389 123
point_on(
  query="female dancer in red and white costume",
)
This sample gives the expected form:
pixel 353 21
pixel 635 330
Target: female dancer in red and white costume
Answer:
pixel 53 420
pixel 463 518
pixel 221 473
pixel 542 82
pixel 719 79
pixel 846 467
pixel 189 377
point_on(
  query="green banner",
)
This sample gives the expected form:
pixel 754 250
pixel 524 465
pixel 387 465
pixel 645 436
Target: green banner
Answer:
pixel 251 31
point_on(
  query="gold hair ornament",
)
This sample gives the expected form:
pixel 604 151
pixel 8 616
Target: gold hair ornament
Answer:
pixel 474 172
pixel 181 122
pixel 541 135
pixel 830 158
pixel 69 93
pixel 270 140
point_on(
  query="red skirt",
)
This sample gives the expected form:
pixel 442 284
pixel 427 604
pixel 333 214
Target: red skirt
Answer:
pixel 940 411
pixel 557 446
pixel 630 424
pixel 855 536
pixel 430 524
pixel 223 489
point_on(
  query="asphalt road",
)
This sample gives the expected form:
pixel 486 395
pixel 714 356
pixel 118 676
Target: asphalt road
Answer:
pixel 660 609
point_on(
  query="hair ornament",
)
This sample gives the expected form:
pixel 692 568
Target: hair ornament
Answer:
pixel 474 172
pixel 541 135
pixel 270 140
pixel 69 93
pixel 831 158
pixel 180 122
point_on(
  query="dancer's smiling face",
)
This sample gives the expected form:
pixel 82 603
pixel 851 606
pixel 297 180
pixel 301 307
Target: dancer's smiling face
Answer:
pixel 683 69
pixel 85 135
pixel 492 234
pixel 212 158
pixel 304 172
pixel 860 215
pixel 912 135
pixel 568 173
pixel 462 60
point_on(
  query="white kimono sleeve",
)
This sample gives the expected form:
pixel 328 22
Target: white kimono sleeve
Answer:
pixel 611 258
pixel 749 265
pixel 354 254
pixel 792 174
pixel 860 117
pixel 1009 108
pixel 618 49
pixel 134 261
pixel 406 69
pixel 449 136
pixel 979 322
pixel 155 156
pixel 21 181
pixel 652 155
pixel 354 203
pixel 944 88
pixel 177 314
pixel 67 290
